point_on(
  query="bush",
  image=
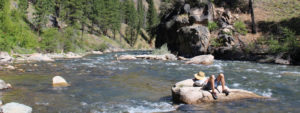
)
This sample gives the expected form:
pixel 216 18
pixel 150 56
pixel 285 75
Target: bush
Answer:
pixel 162 50
pixel 50 40
pixel 289 39
pixel 212 26
pixel 215 42
pixel 102 47
pixel 240 27
pixel 276 47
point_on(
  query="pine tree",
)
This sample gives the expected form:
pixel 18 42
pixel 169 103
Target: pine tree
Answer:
pixel 75 12
pixel 23 5
pixel 152 19
pixel 131 18
pixel 141 11
pixel 152 16
pixel 115 19
pixel 43 9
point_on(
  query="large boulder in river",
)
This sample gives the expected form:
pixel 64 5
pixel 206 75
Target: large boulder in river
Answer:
pixel 39 57
pixel 202 59
pixel 185 92
pixel 184 28
pixel 14 107
pixel 59 81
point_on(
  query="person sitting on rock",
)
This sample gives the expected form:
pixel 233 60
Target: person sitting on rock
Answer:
pixel 210 83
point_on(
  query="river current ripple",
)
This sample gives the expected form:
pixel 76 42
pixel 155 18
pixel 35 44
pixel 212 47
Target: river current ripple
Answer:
pixel 100 84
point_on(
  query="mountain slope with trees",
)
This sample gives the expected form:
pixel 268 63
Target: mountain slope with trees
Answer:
pixel 75 25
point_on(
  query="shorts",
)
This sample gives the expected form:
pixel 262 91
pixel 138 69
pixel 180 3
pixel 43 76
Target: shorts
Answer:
pixel 208 85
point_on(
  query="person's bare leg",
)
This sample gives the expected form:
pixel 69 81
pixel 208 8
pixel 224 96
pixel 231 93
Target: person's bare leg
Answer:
pixel 212 81
pixel 221 79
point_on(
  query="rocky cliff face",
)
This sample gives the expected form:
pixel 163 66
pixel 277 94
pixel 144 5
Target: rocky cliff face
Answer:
pixel 184 28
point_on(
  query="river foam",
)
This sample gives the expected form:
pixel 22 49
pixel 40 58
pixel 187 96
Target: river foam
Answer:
pixel 134 106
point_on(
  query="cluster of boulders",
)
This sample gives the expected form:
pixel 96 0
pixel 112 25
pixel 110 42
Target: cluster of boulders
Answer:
pixel 185 92
pixel 12 107
pixel 184 28
pixel 201 59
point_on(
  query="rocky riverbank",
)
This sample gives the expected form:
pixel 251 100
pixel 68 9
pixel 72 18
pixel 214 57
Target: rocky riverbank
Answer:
pixel 187 30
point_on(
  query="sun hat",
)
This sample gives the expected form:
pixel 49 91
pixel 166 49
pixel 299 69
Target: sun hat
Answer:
pixel 200 75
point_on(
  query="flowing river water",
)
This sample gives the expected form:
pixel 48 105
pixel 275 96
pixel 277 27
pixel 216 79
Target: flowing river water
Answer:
pixel 101 84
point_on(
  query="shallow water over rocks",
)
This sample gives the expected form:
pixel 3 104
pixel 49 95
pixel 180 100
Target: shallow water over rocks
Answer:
pixel 99 83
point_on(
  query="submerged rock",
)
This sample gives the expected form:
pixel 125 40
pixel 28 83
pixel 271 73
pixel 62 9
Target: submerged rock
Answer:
pixel 184 92
pixel 39 57
pixel 126 57
pixel 14 107
pixel 4 85
pixel 151 57
pixel 202 59
pixel 59 81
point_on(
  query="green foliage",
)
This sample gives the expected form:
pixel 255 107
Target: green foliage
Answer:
pixel 290 39
pixel 212 26
pixel 20 35
pixel 276 47
pixel 215 42
pixel 131 17
pixel 250 47
pixel 240 27
pixel 50 40
pixel 152 16
pixel 23 5
pixel 162 50
pixel 14 33
pixel 43 9
pixel 286 41
pixel 102 47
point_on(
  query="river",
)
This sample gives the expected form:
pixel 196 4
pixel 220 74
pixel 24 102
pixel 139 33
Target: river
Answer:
pixel 101 84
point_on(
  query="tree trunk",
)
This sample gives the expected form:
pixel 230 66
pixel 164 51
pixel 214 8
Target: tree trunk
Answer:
pixel 82 30
pixel 252 16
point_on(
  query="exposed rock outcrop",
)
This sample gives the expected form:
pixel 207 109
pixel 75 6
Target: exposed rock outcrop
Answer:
pixel 14 107
pixel 202 59
pixel 184 28
pixel 185 92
